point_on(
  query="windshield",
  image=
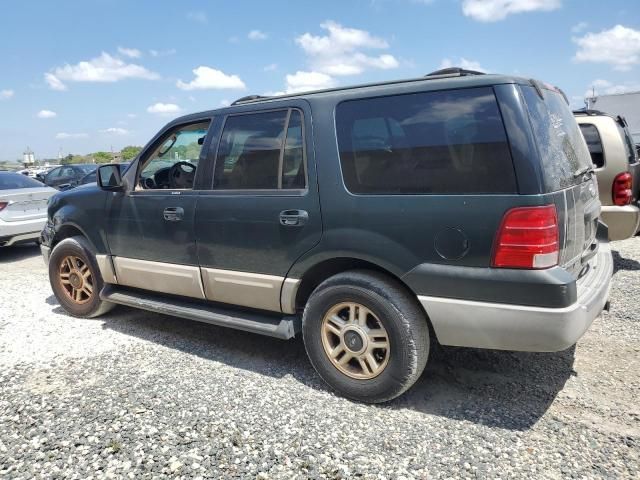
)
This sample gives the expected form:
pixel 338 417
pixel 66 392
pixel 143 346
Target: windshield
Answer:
pixel 10 181
pixel 87 168
pixel 562 147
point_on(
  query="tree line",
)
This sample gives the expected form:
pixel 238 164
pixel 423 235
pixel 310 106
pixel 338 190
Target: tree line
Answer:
pixel 127 154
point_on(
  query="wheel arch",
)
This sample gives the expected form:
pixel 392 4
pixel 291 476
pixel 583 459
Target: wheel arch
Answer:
pixel 69 230
pixel 324 269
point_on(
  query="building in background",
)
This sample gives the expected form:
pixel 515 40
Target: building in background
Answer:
pixel 28 158
pixel 624 104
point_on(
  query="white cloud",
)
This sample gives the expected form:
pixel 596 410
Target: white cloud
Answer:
pixel 6 94
pixel 115 131
pixel 130 52
pixel 340 52
pixel 271 67
pixel 225 103
pixel 46 114
pixel 605 87
pixel 494 10
pixel 162 53
pixel 65 136
pixel 618 46
pixel 131 115
pixel 54 82
pixel 462 63
pixel 164 108
pixel 198 17
pixel 257 35
pixel 579 27
pixel 305 81
pixel 210 78
pixel 104 68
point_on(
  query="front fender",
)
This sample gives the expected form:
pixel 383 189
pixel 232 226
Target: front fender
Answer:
pixel 77 212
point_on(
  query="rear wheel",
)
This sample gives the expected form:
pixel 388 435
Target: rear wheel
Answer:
pixel 365 335
pixel 75 278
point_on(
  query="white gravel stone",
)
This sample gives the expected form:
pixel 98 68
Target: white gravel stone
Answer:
pixel 139 395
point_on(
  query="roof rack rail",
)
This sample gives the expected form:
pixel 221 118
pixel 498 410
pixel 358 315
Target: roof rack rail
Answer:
pixel 461 72
pixel 588 111
pixel 248 98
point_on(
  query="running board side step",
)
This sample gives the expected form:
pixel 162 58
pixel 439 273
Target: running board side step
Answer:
pixel 273 325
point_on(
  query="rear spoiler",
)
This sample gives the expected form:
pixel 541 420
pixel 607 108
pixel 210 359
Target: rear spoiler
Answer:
pixel 540 85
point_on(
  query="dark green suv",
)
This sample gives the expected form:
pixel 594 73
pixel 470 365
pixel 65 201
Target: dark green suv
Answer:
pixel 373 219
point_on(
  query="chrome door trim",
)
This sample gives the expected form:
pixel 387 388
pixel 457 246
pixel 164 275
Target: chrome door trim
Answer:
pixel 255 290
pixel 169 278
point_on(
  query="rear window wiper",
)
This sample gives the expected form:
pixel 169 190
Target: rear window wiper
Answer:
pixel 584 171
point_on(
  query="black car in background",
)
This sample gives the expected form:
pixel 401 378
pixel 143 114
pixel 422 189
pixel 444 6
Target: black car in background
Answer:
pixel 67 176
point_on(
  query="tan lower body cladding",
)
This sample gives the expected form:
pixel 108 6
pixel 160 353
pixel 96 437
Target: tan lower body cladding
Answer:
pixel 254 290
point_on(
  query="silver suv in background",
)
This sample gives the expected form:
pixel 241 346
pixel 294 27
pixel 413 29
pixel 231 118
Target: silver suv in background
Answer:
pixel 616 164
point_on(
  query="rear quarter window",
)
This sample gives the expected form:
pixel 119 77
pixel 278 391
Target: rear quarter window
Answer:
pixel 445 142
pixel 594 143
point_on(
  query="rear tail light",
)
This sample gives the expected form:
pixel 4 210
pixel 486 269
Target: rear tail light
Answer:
pixel 622 189
pixel 3 205
pixel 527 238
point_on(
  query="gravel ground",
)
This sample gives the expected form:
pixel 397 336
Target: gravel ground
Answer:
pixel 135 394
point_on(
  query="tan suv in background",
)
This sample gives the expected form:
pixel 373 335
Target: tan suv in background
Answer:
pixel 616 164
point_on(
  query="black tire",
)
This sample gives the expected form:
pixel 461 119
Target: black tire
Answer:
pixel 78 247
pixel 401 316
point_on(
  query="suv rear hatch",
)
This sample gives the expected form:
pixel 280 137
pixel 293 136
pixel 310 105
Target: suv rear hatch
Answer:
pixel 632 156
pixel 567 174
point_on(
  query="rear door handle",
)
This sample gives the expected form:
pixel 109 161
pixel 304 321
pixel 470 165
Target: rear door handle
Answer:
pixel 294 218
pixel 173 214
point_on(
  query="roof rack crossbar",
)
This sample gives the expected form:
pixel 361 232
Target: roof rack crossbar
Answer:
pixel 454 71
pixel 249 98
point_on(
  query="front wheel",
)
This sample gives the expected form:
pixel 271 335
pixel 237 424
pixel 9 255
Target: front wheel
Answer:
pixel 365 335
pixel 75 278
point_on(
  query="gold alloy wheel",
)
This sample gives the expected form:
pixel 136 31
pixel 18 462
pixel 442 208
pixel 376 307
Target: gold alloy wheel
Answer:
pixel 355 340
pixel 76 279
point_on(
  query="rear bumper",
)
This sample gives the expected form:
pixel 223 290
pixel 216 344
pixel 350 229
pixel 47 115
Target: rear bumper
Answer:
pixel 519 327
pixel 623 222
pixel 12 233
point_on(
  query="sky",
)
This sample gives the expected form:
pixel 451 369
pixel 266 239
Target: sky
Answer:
pixel 83 76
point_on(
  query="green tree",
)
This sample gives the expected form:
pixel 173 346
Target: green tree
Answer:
pixel 102 157
pixel 66 160
pixel 129 152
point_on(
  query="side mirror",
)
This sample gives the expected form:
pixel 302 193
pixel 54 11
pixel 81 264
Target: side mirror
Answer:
pixel 109 178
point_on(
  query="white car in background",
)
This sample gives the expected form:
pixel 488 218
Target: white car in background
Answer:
pixel 23 208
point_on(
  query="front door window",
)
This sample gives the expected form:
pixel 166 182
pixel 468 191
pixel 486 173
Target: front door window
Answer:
pixel 173 163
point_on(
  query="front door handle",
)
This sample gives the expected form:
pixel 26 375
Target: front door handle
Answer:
pixel 173 214
pixel 294 218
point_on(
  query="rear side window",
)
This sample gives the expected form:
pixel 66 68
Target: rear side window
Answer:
pixel 261 151
pixel 426 143
pixel 562 147
pixel 594 143
pixel 629 147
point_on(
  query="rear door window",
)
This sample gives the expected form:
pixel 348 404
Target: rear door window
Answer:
pixel 445 142
pixel 562 147
pixel 261 151
pixel 594 143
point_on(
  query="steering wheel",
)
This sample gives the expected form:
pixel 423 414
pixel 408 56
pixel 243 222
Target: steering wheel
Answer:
pixel 181 175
